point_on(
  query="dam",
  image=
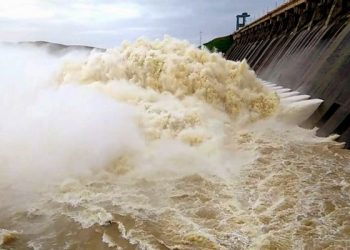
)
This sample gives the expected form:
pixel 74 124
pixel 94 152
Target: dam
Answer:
pixel 159 145
pixel 304 45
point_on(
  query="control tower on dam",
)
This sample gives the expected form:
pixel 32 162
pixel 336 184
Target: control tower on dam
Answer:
pixel 304 45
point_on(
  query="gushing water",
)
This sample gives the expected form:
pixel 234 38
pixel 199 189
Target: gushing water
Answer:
pixel 159 145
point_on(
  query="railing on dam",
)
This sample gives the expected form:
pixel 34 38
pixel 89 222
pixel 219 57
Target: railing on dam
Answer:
pixel 304 45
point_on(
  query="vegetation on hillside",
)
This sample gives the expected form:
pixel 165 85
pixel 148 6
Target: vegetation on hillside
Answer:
pixel 220 44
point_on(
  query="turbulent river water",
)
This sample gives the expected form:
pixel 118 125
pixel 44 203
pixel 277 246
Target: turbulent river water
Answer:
pixel 160 145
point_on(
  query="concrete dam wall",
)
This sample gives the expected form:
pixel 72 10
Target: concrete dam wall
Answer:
pixel 304 45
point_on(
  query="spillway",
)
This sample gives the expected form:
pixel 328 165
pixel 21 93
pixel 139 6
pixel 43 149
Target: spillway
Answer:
pixel 305 46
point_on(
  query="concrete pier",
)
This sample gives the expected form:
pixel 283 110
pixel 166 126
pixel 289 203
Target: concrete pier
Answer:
pixel 304 45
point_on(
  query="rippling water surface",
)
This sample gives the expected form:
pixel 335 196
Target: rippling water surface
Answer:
pixel 159 145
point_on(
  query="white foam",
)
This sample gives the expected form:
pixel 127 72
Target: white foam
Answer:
pixel 298 112
pixel 296 98
pixel 277 88
pixel 288 94
pixel 283 90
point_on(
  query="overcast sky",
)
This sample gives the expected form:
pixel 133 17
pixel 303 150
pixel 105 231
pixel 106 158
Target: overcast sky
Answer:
pixel 106 23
